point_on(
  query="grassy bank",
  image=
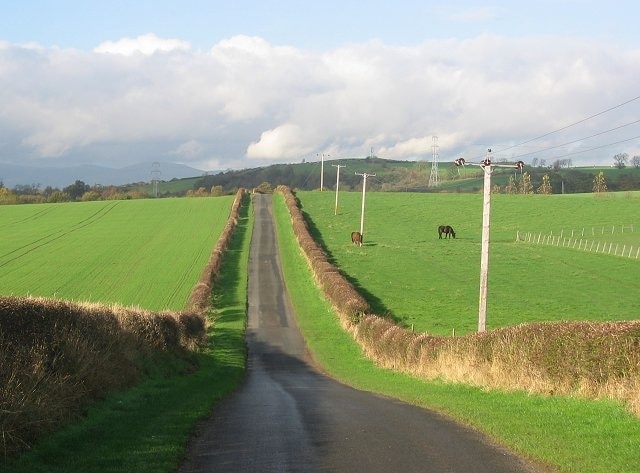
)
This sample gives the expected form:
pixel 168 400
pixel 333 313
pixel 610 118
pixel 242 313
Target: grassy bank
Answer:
pixel 570 435
pixel 145 429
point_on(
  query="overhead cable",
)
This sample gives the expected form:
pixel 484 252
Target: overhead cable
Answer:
pixel 578 140
pixel 572 124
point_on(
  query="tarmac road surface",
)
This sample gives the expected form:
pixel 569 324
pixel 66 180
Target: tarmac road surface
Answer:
pixel 288 417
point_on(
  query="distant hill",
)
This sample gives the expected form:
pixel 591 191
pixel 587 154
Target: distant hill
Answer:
pixel 413 176
pixel 13 175
pixel 307 176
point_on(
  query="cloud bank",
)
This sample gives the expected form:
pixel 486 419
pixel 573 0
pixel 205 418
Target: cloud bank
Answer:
pixel 246 102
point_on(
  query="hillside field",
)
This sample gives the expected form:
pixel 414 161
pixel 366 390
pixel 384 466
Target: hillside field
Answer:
pixel 432 284
pixel 146 253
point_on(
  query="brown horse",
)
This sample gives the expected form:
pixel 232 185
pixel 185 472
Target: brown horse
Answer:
pixel 447 230
pixel 356 238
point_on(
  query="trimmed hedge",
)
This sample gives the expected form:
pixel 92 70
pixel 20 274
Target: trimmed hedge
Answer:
pixel 56 357
pixel 588 359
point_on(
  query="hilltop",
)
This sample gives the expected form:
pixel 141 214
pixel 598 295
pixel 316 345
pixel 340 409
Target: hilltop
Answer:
pixel 401 176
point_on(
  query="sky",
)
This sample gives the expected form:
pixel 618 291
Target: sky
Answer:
pixel 233 85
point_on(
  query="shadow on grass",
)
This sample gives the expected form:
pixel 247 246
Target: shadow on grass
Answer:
pixel 377 307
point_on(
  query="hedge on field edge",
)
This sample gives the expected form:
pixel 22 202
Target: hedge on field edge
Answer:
pixel 588 359
pixel 57 356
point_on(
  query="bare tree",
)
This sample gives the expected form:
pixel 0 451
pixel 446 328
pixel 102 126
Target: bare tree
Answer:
pixel 620 160
pixel 635 161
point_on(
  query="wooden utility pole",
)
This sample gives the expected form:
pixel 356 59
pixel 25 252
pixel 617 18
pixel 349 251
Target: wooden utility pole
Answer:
pixel 487 167
pixel 322 171
pixel 364 191
pixel 335 210
pixel 484 258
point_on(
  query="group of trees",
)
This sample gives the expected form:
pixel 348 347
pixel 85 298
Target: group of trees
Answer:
pixel 389 175
pixel 524 185
pixel 78 191
pixel 620 160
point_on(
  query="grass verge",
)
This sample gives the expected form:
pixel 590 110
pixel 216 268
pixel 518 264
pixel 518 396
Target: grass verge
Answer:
pixel 145 429
pixel 565 434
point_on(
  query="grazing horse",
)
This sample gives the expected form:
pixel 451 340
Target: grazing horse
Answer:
pixel 356 238
pixel 447 230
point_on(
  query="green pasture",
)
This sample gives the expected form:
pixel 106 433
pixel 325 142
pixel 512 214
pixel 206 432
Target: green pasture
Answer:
pixel 556 433
pixel 146 429
pixel 146 253
pixel 408 273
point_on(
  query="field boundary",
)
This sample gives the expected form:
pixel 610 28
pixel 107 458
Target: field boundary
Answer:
pixel 592 360
pixel 200 299
pixel 57 356
pixel 582 243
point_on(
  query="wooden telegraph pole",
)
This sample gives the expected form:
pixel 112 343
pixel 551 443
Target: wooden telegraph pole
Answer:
pixel 364 190
pixel 335 210
pixel 487 166
pixel 484 257
pixel 322 171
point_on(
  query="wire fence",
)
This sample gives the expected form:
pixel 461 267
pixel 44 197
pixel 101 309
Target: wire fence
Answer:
pixel 597 230
pixel 580 239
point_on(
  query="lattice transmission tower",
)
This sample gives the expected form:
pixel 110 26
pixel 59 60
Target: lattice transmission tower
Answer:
pixel 155 177
pixel 433 178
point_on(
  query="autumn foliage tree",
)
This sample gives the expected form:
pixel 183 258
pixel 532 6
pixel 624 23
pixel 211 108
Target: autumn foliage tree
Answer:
pixel 599 183
pixel 525 186
pixel 511 187
pixel 545 187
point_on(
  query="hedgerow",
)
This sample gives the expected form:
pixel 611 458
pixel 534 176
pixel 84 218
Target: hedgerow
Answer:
pixel 589 359
pixel 57 357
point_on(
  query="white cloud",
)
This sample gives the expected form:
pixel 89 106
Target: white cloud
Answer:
pixel 283 142
pixel 248 99
pixel 145 44
pixel 190 149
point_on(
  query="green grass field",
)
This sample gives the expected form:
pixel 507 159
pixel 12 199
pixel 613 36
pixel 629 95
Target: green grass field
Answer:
pixel 561 434
pixel 145 429
pixel 407 272
pixel 146 253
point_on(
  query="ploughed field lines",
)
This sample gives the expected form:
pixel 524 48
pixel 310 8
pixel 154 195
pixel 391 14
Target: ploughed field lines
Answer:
pixel 26 247
pixel 146 253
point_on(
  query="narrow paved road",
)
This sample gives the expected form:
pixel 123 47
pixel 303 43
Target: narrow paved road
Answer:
pixel 287 417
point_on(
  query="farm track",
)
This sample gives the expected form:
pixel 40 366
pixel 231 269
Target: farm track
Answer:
pixel 56 235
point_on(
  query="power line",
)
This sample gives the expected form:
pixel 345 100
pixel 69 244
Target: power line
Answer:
pixel 569 126
pixel 597 147
pixel 578 140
